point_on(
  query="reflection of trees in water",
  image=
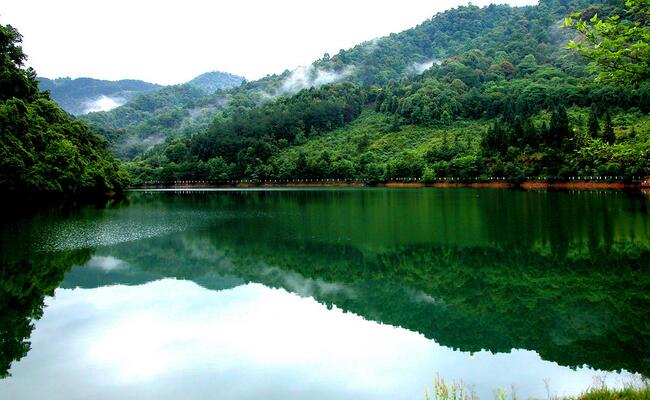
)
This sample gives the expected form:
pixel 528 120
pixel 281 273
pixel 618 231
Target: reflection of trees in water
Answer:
pixel 560 274
pixel 457 217
pixel 583 310
pixel 23 286
pixel 586 305
pixel 572 311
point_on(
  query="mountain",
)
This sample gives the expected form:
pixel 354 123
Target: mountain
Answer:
pixel 83 95
pixel 149 118
pixel 514 30
pixel 86 95
pixel 379 61
pixel 470 94
pixel 210 82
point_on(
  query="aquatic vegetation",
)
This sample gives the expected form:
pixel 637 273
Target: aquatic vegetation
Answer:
pixel 444 390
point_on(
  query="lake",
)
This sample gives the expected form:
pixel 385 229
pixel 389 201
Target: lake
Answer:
pixel 348 293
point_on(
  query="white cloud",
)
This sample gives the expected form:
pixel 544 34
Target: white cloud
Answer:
pixel 106 264
pixel 310 76
pixel 419 68
pixel 172 339
pixel 103 103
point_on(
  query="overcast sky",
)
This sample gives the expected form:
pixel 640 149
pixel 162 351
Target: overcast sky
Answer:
pixel 172 41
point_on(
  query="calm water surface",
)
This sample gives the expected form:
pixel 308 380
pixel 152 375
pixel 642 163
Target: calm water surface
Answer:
pixel 322 294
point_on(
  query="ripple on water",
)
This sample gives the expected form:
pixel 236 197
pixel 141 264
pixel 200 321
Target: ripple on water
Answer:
pixel 122 226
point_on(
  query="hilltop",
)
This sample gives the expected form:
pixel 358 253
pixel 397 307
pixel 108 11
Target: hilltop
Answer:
pixel 212 81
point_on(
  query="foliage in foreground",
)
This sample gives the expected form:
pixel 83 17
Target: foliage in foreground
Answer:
pixel 617 46
pixel 42 149
pixel 604 393
pixel 442 390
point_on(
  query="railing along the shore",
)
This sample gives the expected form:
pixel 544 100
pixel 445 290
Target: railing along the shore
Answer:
pixel 640 180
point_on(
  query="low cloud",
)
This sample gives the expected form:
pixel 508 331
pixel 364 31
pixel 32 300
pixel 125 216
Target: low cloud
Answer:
pixel 107 264
pixel 200 116
pixel 103 103
pixel 420 67
pixel 310 76
pixel 302 286
pixel 134 144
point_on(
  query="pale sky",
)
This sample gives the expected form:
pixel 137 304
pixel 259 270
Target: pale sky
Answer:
pixel 171 42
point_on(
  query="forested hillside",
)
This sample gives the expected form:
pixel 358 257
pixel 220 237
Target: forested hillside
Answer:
pixel 84 95
pixel 516 31
pixel 151 118
pixel 500 95
pixel 42 149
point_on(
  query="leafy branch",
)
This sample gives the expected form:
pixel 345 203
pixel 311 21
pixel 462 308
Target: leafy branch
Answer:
pixel 618 48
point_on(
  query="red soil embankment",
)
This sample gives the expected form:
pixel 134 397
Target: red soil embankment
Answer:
pixel 579 185
pixel 320 184
pixel 528 185
pixel 448 184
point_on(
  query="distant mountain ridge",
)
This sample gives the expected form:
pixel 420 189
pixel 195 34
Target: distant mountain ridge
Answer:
pixel 158 114
pixel 86 95
pixel 82 95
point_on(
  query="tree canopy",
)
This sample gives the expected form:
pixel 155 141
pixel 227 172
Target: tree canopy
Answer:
pixel 617 46
pixel 43 150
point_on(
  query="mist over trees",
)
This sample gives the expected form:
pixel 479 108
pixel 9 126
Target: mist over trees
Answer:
pixel 470 94
pixel 501 96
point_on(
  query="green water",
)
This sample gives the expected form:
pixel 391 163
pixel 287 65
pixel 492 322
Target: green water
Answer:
pixel 347 293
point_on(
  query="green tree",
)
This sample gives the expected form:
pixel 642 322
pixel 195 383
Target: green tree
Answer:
pixel 14 80
pixel 618 47
pixel 594 127
pixel 608 130
pixel 218 169
pixel 559 128
pixel 42 149
pixel 177 153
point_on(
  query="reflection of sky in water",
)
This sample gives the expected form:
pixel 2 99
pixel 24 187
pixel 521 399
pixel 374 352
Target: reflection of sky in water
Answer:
pixel 172 339
pixel 106 263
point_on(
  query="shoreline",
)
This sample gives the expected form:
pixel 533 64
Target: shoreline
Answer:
pixel 527 185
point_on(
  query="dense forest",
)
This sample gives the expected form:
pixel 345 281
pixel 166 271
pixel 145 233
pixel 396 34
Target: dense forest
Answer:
pixel 471 93
pixel 43 150
pixel 150 118
pixel 515 93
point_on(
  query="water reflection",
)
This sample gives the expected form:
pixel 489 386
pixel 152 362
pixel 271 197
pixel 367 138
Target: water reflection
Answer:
pixel 560 274
pixel 172 339
pixel 24 284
